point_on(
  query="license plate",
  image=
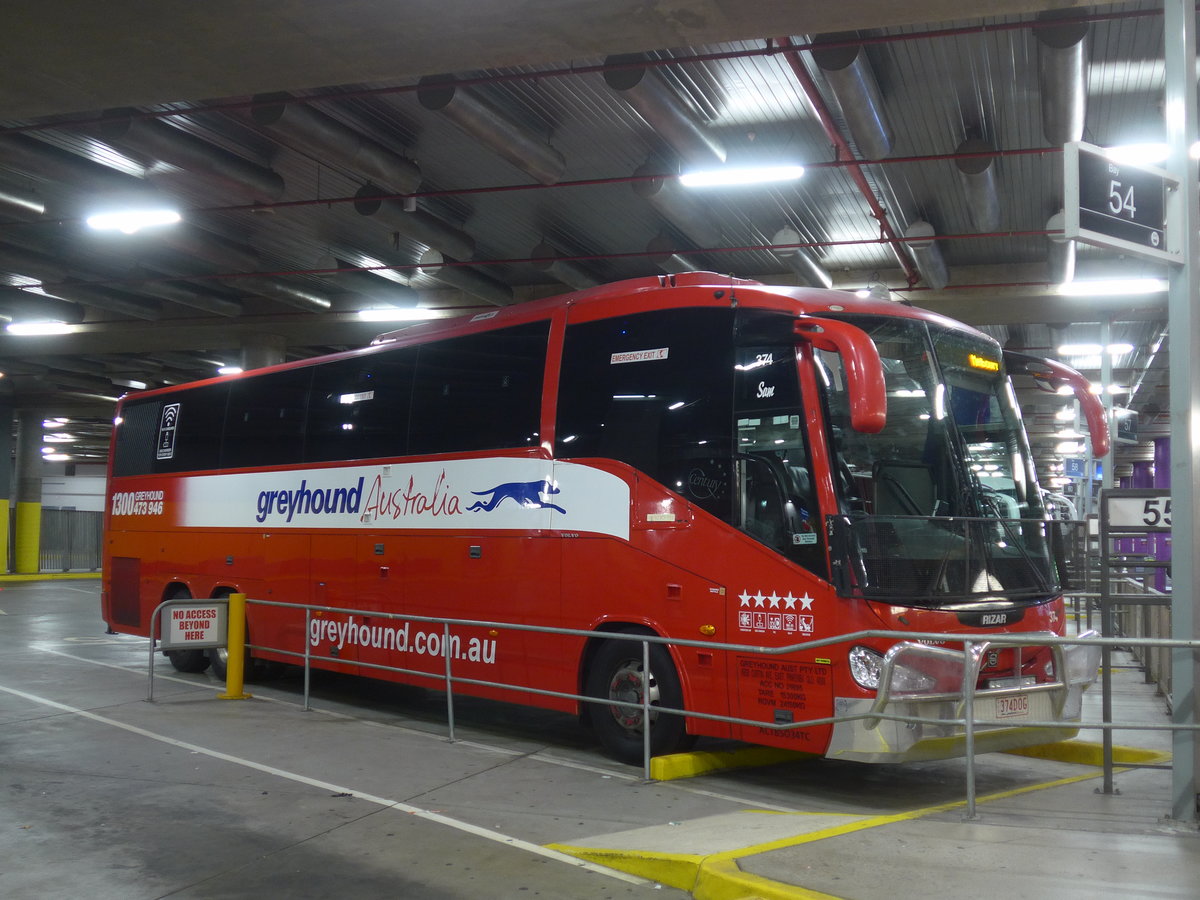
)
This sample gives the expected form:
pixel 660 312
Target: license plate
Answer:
pixel 1008 707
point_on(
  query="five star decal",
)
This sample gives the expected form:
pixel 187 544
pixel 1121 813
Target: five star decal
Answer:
pixel 772 612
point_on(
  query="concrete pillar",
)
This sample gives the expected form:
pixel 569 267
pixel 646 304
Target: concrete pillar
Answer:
pixel 6 482
pixel 262 350
pixel 27 542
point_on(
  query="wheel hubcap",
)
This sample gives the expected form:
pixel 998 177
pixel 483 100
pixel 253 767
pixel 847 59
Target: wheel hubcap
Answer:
pixel 627 685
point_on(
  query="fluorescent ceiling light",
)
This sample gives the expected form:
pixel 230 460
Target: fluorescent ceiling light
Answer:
pixel 59 437
pixel 1145 154
pixel 36 328
pixel 1113 287
pixel 1093 349
pixel 736 176
pixel 131 220
pixel 229 370
pixel 56 457
pixel 396 314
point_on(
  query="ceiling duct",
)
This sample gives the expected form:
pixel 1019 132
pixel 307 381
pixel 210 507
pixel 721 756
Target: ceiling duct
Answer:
pixel 20 201
pixel 192 154
pixel 472 282
pixel 1060 252
pixel 800 260
pixel 371 286
pixel 287 293
pixel 547 259
pixel 417 224
pixel 220 251
pixel 49 163
pixel 927 254
pixel 25 306
pixel 52 272
pixel 849 75
pixel 158 286
pixel 978 177
pixel 482 120
pixel 324 136
pixel 664 255
pixel 212 248
pixel 104 298
pixel 1062 77
pixel 664 110
pixel 677 205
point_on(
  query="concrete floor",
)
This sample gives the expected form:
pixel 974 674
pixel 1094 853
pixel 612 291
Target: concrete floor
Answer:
pixel 105 795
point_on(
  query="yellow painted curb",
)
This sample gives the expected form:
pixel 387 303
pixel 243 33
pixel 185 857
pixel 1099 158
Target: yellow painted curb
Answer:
pixel 1088 753
pixel 701 762
pixel 678 870
pixel 724 880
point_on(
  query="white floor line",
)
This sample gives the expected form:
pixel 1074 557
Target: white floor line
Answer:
pixel 540 756
pixel 426 814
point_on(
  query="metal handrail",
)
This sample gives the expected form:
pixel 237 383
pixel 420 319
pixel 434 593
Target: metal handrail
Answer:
pixel 966 698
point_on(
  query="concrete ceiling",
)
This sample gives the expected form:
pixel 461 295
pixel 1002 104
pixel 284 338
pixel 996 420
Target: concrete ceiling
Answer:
pixel 194 71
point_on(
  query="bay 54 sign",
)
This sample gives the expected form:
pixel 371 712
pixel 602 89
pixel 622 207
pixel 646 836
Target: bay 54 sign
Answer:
pixel 1131 208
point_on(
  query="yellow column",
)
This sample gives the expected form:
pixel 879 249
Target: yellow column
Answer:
pixel 235 640
pixel 28 546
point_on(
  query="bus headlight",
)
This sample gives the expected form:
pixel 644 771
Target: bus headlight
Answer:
pixel 865 665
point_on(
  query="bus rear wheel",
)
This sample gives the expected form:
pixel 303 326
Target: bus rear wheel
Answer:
pixel 186 660
pixel 617 673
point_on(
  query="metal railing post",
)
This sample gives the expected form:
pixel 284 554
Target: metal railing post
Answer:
pixel 646 710
pixel 154 618
pixel 968 688
pixel 307 656
pixel 449 682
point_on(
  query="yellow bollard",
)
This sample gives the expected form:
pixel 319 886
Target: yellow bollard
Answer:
pixel 235 642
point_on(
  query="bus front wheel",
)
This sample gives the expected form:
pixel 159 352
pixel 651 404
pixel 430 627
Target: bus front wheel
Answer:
pixel 617 673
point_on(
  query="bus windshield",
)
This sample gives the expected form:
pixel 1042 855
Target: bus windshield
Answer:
pixel 941 506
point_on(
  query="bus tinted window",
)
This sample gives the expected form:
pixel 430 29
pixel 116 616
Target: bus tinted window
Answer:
pixel 653 390
pixel 264 425
pixel 479 392
pixel 359 407
pixel 187 437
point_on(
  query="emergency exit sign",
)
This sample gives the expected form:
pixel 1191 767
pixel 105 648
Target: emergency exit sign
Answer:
pixel 194 625
pixel 1126 207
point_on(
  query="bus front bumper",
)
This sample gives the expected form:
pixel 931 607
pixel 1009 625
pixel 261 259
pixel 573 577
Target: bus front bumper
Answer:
pixel 905 724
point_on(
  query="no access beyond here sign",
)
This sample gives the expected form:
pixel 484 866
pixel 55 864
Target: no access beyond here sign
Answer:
pixel 194 625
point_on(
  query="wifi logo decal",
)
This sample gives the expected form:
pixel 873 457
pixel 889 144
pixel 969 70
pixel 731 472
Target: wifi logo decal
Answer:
pixel 166 431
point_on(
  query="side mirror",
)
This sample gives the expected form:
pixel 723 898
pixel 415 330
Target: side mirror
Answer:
pixel 1050 375
pixel 860 359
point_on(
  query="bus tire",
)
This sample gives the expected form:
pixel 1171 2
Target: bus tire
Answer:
pixel 185 660
pixel 253 670
pixel 615 673
pixel 188 660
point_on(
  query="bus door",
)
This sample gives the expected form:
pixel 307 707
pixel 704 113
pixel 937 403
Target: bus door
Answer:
pixel 787 599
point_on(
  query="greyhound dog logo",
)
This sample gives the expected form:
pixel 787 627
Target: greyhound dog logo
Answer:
pixel 526 493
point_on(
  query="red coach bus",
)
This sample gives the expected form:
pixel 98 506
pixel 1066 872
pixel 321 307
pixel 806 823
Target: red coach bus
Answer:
pixel 694 457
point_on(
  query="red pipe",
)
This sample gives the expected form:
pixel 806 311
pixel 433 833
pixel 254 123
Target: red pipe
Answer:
pixel 844 155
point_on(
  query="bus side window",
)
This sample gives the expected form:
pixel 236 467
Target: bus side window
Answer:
pixel 265 419
pixel 479 392
pixel 359 406
pixel 653 390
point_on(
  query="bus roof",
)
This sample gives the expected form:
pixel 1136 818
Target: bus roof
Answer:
pixel 625 298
